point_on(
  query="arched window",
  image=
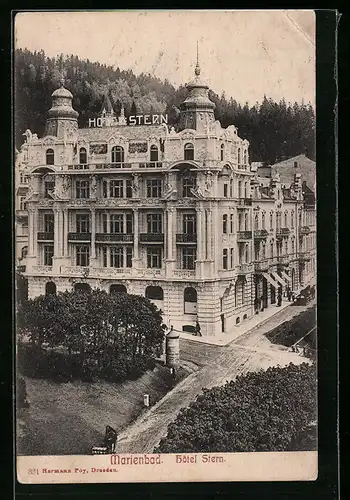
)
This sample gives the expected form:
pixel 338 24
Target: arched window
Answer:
pixel 222 149
pixel 239 189
pixel 285 219
pixel 256 221
pixel 190 300
pixel 263 220
pixel 189 151
pixel 50 288
pixel 154 153
pixel 117 154
pixel 154 293
pixel 50 157
pixel 82 156
pixel 246 189
pixel 271 220
pixel 245 157
pixel 239 156
pixel 82 287
pixel 24 252
pixel 117 289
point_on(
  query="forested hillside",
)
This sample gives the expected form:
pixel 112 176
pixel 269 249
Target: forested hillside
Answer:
pixel 275 130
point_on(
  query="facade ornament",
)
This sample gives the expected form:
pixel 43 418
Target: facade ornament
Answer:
pixel 136 183
pixel 93 186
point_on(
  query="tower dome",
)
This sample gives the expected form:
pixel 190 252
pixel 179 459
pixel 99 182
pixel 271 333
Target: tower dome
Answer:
pixel 197 110
pixel 62 118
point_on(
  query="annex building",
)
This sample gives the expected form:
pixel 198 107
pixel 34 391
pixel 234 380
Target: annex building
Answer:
pixel 179 216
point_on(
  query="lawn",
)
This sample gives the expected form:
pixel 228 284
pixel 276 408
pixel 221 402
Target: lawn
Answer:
pixel 70 418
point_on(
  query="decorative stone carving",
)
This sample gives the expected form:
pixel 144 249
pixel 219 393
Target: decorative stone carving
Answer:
pixel 136 184
pixel 93 186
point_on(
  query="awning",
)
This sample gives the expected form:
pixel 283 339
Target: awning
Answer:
pixel 285 276
pixel 271 281
pixel 278 278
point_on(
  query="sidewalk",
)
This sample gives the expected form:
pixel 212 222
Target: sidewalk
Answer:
pixel 249 324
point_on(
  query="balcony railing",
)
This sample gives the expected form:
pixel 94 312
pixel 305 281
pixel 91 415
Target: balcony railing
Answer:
pixel 112 237
pixel 186 238
pixel 151 164
pixel 260 234
pixel 282 232
pixel 244 268
pixel 45 236
pixel 79 236
pixel 283 260
pixel 151 237
pixel 184 273
pixel 304 256
pixel 41 269
pixel 261 265
pixel 247 202
pixel 244 235
pixel 303 230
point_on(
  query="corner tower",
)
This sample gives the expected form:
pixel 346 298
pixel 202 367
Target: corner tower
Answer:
pixel 62 119
pixel 197 110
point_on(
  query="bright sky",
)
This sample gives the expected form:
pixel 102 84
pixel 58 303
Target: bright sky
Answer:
pixel 245 53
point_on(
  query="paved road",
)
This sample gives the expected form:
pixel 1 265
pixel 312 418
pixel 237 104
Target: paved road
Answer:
pixel 217 365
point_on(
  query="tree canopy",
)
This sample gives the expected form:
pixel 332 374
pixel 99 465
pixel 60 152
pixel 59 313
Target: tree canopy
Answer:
pixel 275 130
pixel 272 410
pixel 109 333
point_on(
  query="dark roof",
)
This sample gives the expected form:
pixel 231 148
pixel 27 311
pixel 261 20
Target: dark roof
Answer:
pixel 304 166
pixel 133 133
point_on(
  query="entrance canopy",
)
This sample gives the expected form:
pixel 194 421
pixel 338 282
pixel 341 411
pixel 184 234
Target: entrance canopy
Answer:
pixel 271 281
pixel 286 277
pixel 278 278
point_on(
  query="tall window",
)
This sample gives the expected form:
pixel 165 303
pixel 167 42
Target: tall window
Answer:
pixel 271 220
pixel 82 156
pixel 128 256
pixel 117 256
pixel 50 157
pixel 117 154
pixel 189 257
pixel 48 255
pixel 48 223
pixel 104 256
pixel 128 188
pixel 154 188
pixel 240 189
pixel 222 148
pixel 154 257
pixel 82 189
pixel 271 249
pixel 154 153
pixel 243 291
pixel 154 223
pixel 189 151
pixel 190 300
pixel 83 223
pixel 224 223
pixel 256 221
pixel 129 223
pixel 293 247
pixel 22 203
pixel 49 186
pixel 231 188
pixel 245 157
pixel 117 223
pixel 188 184
pixel 224 258
pixel 225 190
pixel 189 224
pixel 285 219
pixel 292 219
pixel 116 188
pixel 263 220
pixel 286 247
pixel 263 250
pixel 231 258
pixel 231 223
pixel 82 255
pixel 239 156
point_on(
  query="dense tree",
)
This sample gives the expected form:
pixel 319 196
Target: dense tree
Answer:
pixel 272 410
pixel 104 331
pixel 275 130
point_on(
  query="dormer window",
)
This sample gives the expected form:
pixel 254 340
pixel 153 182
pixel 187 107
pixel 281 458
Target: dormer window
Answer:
pixel 50 157
pixel 154 153
pixel 117 154
pixel 82 156
pixel 189 151
pixel 222 147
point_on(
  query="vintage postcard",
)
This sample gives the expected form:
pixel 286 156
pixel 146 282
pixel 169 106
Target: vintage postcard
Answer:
pixel 165 246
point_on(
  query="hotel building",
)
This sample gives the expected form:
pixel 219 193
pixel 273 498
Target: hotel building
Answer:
pixel 179 216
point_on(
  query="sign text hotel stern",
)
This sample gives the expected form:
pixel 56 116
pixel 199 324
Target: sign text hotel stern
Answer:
pixel 133 120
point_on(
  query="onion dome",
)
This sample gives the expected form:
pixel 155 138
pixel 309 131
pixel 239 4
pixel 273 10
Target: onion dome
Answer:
pixel 62 104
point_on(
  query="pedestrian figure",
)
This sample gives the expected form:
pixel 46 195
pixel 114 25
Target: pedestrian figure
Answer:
pixel 110 440
pixel 173 373
pixel 198 329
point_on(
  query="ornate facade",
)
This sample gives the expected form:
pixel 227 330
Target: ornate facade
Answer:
pixel 177 215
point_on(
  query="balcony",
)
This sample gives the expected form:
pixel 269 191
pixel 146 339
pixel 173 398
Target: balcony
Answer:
pixel 151 237
pixel 304 230
pixel 261 265
pixel 104 166
pixel 260 234
pixel 184 238
pixel 41 269
pixel 282 232
pixel 283 260
pixel 80 166
pixel 151 164
pixel 114 237
pixel 244 268
pixel 184 273
pixel 244 235
pixel 45 236
pixel 245 202
pixel 80 237
pixel 304 256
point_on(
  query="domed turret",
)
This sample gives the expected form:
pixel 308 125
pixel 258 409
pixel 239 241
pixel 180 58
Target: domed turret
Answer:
pixel 62 119
pixel 197 110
